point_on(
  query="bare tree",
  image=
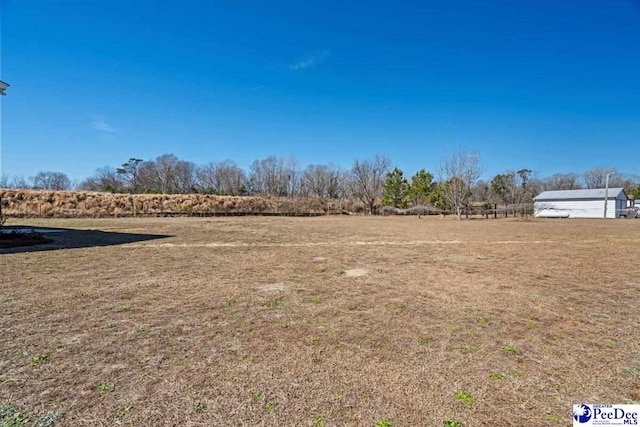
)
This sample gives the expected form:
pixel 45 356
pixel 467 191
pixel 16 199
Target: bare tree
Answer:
pixel 208 178
pixel 159 175
pixel 104 179
pixel 367 180
pixel 628 182
pixel 595 177
pixel 222 178
pixel 185 179
pixel 321 181
pixel 343 188
pixel 274 176
pixel 536 186
pixel 147 178
pixel 563 181
pixel 233 179
pixel 313 181
pixel 19 182
pixel 165 171
pixel 459 173
pixel 167 175
pixel 51 181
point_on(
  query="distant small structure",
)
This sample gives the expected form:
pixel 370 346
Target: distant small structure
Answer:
pixel 580 203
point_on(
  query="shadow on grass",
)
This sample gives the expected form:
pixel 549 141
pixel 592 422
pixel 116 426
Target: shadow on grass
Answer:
pixel 67 238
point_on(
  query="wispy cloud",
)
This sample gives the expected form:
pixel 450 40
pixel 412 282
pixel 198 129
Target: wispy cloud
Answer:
pixel 310 60
pixel 100 124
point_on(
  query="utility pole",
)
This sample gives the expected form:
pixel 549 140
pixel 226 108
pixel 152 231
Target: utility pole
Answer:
pixel 606 194
pixel 3 87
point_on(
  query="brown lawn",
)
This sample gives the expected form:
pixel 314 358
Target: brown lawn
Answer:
pixel 321 321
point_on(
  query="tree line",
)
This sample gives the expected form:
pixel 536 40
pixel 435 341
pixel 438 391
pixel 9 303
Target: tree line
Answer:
pixel 374 182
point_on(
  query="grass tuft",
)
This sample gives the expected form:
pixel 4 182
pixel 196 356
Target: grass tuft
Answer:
pixel 256 396
pixel 464 350
pixel 633 371
pixel 465 398
pixel 314 339
pixel 271 407
pixel 106 386
pixel 274 302
pixel 9 417
pixel 481 320
pixel 110 325
pixel 496 376
pixel 37 360
pixel 510 349
pixel 50 419
pixel 532 324
pixel 123 411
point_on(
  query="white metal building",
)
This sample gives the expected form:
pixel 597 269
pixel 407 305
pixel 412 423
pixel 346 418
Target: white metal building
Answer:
pixel 579 203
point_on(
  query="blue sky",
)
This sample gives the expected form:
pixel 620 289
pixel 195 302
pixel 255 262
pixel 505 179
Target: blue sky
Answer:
pixel 545 84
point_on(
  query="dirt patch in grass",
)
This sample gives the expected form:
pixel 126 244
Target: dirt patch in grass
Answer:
pixel 269 287
pixel 247 321
pixel 356 272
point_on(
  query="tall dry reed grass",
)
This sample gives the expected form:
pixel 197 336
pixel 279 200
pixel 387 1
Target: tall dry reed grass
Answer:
pixel 61 204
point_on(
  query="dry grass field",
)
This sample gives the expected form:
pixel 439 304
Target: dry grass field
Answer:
pixel 326 321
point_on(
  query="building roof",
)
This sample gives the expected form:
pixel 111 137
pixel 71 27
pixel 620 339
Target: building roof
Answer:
pixel 595 193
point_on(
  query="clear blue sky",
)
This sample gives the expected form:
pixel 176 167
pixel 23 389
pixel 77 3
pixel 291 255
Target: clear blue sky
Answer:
pixel 545 84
